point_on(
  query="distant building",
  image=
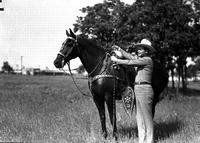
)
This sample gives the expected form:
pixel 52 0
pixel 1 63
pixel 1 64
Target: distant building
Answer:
pixel 47 71
pixel 31 71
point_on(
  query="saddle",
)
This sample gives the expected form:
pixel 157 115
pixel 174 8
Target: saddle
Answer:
pixel 128 100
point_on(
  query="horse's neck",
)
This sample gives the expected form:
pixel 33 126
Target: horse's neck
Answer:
pixel 92 58
pixel 91 63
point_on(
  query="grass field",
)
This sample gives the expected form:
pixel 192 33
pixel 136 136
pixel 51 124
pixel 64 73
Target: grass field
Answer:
pixel 49 109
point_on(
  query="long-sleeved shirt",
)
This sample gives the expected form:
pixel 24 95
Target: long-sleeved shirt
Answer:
pixel 144 66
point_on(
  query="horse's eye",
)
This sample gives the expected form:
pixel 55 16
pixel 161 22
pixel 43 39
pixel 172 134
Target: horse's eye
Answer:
pixel 70 41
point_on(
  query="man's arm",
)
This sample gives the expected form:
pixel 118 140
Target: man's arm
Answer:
pixel 124 53
pixel 134 62
pixel 127 55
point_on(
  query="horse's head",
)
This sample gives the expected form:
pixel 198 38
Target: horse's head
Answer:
pixel 68 51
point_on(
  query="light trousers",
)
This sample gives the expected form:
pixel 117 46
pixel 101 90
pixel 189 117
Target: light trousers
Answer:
pixel 144 99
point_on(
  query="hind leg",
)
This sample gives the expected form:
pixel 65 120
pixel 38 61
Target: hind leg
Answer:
pixel 101 108
pixel 153 107
pixel 112 114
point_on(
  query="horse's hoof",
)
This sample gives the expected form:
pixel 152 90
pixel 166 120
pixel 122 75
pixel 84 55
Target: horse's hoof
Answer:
pixel 115 135
pixel 105 135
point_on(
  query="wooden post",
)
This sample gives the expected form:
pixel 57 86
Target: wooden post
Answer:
pixel 21 63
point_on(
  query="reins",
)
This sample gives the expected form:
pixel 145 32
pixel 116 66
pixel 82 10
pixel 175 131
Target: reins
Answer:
pixel 68 64
pixel 91 79
pixel 114 103
pixel 71 75
pixel 87 95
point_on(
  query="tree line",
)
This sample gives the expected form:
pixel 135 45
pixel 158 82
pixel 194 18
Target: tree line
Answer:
pixel 173 26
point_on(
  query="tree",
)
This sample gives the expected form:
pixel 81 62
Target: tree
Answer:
pixel 81 69
pixel 172 25
pixel 6 67
pixel 104 21
pixel 197 63
pixel 171 30
pixel 192 69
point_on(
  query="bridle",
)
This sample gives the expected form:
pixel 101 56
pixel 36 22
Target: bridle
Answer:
pixel 75 44
pixel 61 54
pixel 68 64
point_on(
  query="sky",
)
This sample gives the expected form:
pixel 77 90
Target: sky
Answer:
pixel 35 29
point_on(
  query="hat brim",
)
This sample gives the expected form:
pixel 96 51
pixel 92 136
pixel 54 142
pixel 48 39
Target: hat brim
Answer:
pixel 148 47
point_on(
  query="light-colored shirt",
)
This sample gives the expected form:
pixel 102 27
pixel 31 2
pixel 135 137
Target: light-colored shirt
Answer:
pixel 144 69
pixel 144 66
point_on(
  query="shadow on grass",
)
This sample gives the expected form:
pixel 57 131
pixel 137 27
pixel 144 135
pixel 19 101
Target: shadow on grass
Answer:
pixel 164 130
pixel 189 92
pixel 128 131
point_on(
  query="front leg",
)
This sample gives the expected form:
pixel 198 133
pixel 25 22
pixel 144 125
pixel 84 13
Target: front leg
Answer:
pixel 111 105
pixel 100 103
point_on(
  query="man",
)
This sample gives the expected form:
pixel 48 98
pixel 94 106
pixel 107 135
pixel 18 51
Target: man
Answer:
pixel 143 89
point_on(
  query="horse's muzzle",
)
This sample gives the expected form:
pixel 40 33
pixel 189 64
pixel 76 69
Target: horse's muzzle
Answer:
pixel 59 63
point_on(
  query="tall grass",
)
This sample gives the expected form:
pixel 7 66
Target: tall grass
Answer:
pixel 49 109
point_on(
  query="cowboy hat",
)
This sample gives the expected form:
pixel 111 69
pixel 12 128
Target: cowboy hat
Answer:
pixel 145 44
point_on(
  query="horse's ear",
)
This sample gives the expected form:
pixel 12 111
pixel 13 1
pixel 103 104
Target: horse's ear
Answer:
pixel 67 33
pixel 72 34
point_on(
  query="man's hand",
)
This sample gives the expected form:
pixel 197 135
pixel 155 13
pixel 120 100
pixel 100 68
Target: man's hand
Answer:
pixel 117 54
pixel 113 58
pixel 115 47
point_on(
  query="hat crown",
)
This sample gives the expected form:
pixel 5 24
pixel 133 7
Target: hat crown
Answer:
pixel 145 42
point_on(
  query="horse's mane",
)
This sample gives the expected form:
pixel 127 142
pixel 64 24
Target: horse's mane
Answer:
pixel 91 43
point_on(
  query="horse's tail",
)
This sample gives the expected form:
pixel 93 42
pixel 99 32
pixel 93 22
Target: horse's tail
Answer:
pixel 159 82
pixel 159 79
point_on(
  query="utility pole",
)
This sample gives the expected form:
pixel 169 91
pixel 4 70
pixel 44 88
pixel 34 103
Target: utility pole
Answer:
pixel 21 63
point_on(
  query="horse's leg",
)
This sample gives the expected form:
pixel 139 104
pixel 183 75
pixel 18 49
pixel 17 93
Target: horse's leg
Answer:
pixel 153 107
pixel 112 113
pixel 153 110
pixel 101 108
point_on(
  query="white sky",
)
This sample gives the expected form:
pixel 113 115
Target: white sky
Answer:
pixel 35 29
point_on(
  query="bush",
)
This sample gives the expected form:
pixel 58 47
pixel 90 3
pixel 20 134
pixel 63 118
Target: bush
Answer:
pixel 6 68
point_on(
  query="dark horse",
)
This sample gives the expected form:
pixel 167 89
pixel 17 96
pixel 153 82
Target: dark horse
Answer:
pixel 105 82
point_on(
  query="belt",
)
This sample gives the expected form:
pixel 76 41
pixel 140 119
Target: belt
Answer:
pixel 139 83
